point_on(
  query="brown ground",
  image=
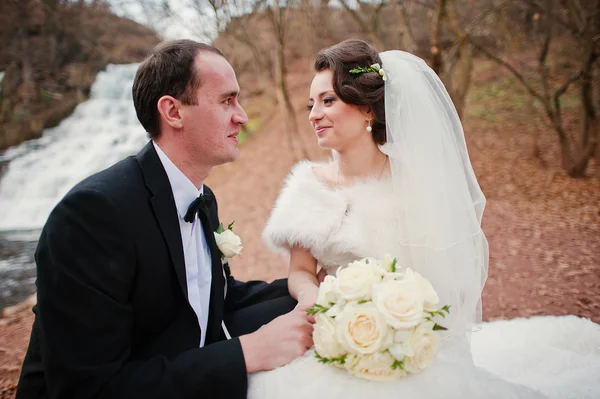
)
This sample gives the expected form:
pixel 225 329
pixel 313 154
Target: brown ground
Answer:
pixel 543 227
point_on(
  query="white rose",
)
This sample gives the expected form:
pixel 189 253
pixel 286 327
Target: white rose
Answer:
pixel 429 294
pixel 400 302
pixel 375 367
pixel 326 344
pixel 361 329
pixel 421 348
pixel 327 292
pixel 355 281
pixel 229 243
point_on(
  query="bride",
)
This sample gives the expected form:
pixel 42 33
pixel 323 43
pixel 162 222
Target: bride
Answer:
pixel 401 183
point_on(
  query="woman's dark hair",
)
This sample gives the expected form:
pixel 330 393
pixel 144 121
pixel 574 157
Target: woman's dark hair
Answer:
pixel 356 89
pixel 168 70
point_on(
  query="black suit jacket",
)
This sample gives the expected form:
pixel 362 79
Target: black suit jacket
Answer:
pixel 113 319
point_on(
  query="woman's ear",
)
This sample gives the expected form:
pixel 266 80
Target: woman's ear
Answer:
pixel 368 113
pixel 168 107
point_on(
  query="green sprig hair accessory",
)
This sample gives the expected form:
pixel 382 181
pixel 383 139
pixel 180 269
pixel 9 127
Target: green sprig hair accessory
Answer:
pixel 373 68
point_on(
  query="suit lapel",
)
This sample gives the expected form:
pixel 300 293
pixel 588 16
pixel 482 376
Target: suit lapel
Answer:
pixel 164 208
pixel 215 313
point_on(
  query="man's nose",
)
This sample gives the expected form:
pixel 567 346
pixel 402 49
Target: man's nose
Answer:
pixel 240 116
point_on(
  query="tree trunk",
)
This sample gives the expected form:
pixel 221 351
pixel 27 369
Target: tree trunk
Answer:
pixel 463 66
pixel 407 38
pixel 436 51
pixel 365 26
pixel 277 17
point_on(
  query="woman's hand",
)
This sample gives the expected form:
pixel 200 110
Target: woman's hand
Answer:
pixel 321 275
pixel 308 298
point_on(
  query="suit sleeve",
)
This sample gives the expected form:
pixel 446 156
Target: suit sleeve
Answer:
pixel 86 270
pixel 244 294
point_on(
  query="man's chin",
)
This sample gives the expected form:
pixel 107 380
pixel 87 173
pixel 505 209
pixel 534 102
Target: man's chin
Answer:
pixel 231 156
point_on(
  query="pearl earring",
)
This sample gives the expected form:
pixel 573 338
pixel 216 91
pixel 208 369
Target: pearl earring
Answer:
pixel 369 128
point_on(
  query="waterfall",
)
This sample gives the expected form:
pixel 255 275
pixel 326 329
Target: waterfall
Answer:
pixel 100 132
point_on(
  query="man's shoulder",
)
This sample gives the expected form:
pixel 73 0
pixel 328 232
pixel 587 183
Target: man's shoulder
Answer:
pixel 119 180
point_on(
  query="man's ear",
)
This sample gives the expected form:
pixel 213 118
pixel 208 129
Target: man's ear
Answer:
pixel 168 107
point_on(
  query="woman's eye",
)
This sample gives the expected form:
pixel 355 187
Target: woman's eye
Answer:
pixel 309 107
pixel 328 100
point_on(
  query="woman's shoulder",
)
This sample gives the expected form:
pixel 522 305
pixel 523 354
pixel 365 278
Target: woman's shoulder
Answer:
pixel 306 211
pixel 313 173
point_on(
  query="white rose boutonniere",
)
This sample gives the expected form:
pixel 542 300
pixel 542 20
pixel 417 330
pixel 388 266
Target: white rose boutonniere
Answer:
pixel 228 242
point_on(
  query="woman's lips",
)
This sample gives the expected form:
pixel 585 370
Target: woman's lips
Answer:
pixel 320 130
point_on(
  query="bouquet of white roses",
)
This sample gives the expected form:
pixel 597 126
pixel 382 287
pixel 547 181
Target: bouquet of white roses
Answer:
pixel 375 321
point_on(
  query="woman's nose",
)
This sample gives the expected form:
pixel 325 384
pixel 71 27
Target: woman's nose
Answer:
pixel 315 114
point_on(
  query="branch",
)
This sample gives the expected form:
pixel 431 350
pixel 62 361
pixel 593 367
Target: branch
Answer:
pixel 554 16
pixel 512 69
pixel 355 16
pixel 482 15
pixel 376 15
pixel 542 59
pixel 478 18
pixel 576 14
pixel 563 89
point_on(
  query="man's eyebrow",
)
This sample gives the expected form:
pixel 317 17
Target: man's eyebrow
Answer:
pixel 233 93
pixel 321 94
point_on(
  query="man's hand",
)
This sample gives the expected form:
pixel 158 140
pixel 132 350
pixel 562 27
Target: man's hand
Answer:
pixel 278 343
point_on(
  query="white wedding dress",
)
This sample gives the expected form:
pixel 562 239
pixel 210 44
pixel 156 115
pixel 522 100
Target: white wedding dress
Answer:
pixel 539 357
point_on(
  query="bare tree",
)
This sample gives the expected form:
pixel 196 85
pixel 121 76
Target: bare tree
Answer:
pixel 406 35
pixel 579 19
pixel 366 15
pixel 458 72
pixel 278 15
pixel 436 61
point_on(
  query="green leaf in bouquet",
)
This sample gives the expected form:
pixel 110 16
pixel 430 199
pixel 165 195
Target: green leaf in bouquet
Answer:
pixel 398 364
pixel 329 360
pixel 367 261
pixel 362 301
pixel 393 265
pixel 444 311
pixel 437 327
pixel 230 227
pixel 220 228
pixel 316 310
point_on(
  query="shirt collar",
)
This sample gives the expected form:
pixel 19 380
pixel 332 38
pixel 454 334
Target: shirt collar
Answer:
pixel 184 191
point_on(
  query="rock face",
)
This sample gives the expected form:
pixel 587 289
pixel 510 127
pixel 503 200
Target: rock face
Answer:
pixel 51 54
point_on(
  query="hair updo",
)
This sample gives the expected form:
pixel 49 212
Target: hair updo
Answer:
pixel 356 89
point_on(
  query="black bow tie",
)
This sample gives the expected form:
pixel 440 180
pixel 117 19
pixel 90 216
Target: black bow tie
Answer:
pixel 203 202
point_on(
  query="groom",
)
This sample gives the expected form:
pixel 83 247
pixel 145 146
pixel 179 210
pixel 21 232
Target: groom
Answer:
pixel 131 288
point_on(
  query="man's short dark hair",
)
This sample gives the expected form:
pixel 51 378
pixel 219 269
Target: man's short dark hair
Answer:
pixel 168 70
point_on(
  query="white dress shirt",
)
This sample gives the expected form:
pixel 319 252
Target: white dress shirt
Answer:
pixel 198 269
